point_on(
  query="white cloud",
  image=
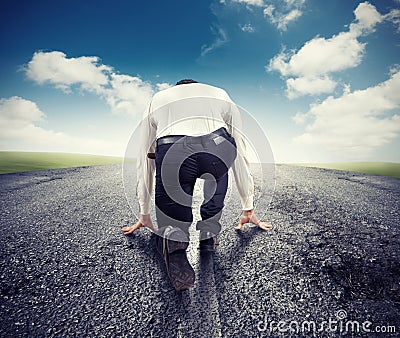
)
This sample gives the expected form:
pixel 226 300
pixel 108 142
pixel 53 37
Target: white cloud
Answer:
pixel 356 123
pixel 300 118
pixel 56 68
pixel 320 57
pixel 285 19
pixel 221 39
pixel 19 130
pixel 282 20
pixel 394 17
pixel 164 85
pixel 124 93
pixel 269 10
pixel 127 94
pixel 282 14
pixel 248 28
pixel 294 2
pixel 367 17
pixel 258 3
pixel 16 112
pixel 308 85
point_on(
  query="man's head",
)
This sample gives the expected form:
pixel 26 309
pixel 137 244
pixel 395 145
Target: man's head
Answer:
pixel 185 81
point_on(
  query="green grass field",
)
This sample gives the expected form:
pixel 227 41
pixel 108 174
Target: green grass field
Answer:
pixel 377 168
pixel 16 161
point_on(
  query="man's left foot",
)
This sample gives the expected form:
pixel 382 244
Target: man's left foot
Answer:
pixel 179 270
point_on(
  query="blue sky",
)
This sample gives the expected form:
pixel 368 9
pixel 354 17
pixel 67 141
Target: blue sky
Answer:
pixel 321 77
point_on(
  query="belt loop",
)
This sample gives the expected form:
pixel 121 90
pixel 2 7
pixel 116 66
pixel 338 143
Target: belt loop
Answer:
pixel 185 141
pixel 204 140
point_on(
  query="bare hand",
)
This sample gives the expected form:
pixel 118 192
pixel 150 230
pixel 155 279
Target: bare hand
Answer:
pixel 248 216
pixel 144 221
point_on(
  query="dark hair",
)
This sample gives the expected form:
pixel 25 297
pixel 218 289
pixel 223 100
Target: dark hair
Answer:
pixel 185 81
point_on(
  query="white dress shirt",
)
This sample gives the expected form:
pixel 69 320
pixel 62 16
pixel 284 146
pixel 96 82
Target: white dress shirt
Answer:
pixel 191 109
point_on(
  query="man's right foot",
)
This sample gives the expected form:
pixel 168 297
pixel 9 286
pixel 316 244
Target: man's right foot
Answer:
pixel 208 241
pixel 179 270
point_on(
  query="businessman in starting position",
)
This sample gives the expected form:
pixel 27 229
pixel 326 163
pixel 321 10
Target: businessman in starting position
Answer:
pixel 194 131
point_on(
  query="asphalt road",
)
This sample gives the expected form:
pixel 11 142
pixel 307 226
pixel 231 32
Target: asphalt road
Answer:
pixel 67 270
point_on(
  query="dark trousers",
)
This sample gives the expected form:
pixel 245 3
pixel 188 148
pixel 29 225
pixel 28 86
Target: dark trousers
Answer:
pixel 178 165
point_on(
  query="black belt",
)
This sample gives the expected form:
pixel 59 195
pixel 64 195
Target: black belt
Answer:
pixel 189 139
pixel 192 139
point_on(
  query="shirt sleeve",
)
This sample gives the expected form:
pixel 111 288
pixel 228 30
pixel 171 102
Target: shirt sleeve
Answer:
pixel 241 166
pixel 145 167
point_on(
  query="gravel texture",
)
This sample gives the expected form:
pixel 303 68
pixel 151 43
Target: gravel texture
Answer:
pixel 67 270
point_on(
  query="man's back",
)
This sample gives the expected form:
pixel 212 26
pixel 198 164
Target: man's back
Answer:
pixel 190 109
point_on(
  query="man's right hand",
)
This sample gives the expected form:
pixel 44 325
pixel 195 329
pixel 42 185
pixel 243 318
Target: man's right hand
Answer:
pixel 144 221
pixel 248 216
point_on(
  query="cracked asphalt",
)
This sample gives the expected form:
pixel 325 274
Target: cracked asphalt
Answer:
pixel 67 270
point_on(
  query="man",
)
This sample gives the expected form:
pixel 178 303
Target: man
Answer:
pixel 195 131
